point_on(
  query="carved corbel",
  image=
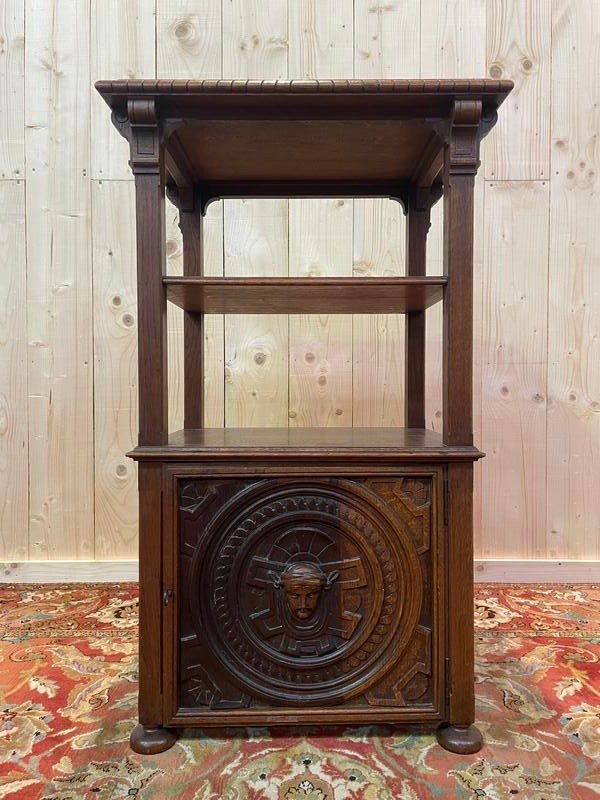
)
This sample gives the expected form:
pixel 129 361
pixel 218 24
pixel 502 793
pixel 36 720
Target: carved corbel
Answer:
pixel 182 197
pixel 120 120
pixel 144 137
pixel 465 136
pixel 423 198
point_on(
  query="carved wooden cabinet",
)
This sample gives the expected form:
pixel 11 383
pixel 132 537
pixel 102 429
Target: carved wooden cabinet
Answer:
pixel 305 575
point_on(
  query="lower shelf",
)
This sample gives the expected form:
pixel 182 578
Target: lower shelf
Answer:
pixel 414 444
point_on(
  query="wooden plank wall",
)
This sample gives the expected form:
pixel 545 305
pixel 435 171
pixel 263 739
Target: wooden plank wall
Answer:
pixel 67 250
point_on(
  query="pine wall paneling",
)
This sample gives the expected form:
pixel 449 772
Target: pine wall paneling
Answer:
pixel 14 449
pixel 67 292
pixel 59 281
pixel 115 369
pixel 12 90
pixel 573 421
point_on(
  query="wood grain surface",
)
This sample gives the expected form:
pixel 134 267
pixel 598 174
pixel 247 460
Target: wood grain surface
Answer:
pixel 537 214
pixel 519 48
pixel 306 295
pixel 12 91
pixel 59 281
pixel 14 467
pixel 573 421
pixel 115 369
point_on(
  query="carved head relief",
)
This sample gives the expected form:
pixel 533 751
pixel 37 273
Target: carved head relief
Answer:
pixel 303 583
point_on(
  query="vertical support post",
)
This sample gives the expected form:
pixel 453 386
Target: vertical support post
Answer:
pixel 191 224
pixel 419 211
pixel 147 164
pixel 461 162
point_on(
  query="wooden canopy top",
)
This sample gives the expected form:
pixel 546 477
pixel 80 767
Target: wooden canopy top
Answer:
pixel 302 138
pixel 463 87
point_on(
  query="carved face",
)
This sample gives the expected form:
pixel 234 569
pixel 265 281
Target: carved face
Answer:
pixel 303 584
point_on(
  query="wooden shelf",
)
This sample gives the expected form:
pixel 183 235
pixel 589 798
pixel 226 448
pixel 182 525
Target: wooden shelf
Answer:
pixel 304 295
pixel 347 444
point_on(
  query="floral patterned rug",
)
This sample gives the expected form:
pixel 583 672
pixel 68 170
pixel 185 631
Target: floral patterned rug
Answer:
pixel 68 681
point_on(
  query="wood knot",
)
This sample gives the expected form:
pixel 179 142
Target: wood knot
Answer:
pixel 183 29
pixel 171 247
pixel 3 422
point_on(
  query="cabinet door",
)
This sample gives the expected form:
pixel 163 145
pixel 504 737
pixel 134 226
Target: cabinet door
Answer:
pixel 301 593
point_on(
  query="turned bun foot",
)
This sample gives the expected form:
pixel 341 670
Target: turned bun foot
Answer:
pixel 460 739
pixel 148 741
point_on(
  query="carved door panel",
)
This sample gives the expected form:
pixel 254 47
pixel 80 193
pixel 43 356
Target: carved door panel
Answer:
pixel 303 593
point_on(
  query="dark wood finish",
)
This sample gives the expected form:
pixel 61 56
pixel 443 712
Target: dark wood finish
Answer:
pixel 392 190
pixel 151 588
pixel 190 222
pixel 305 575
pixel 360 544
pixel 461 647
pixel 148 741
pixel 465 740
pixel 462 160
pixel 316 131
pixel 320 444
pixel 304 295
pixel 147 164
pixel 417 228
pixel 372 150
pixel 411 99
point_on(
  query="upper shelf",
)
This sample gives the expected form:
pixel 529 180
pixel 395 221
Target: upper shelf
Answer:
pixel 318 445
pixel 304 295
pixel 304 138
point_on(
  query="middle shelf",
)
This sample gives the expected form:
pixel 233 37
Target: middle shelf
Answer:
pixel 304 295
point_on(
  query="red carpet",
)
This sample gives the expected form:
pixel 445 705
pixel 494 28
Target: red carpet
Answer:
pixel 68 683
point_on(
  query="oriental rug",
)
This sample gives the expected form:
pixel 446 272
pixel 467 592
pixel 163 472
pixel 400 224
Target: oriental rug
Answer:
pixel 68 681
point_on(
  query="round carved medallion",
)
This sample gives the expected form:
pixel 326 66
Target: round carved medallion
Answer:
pixel 313 589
